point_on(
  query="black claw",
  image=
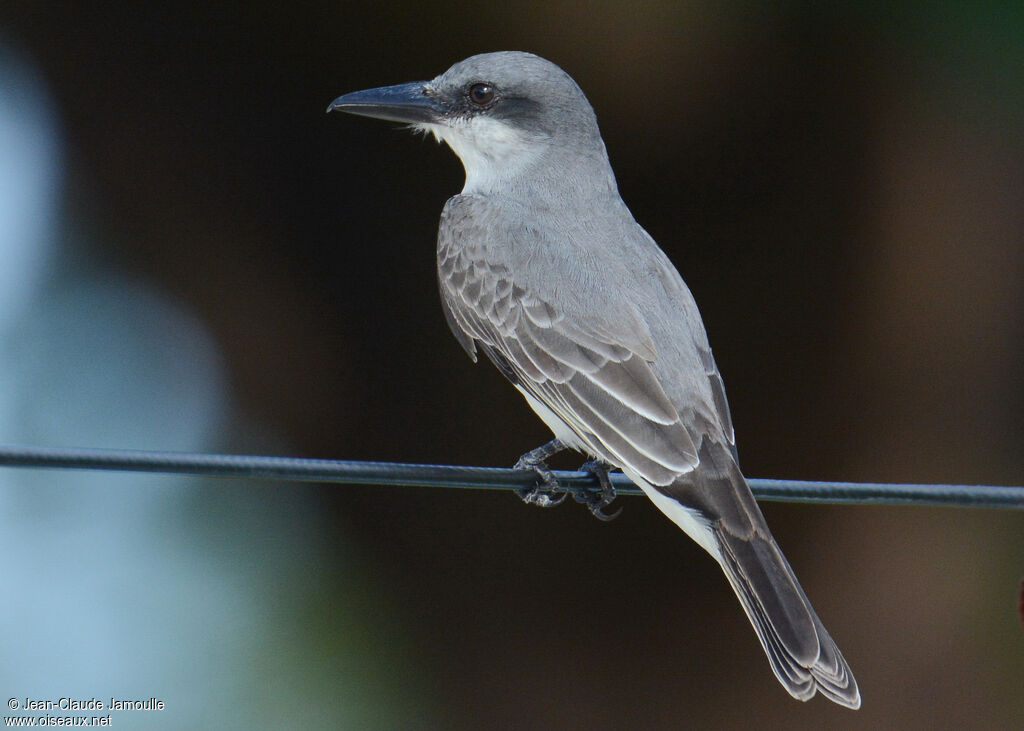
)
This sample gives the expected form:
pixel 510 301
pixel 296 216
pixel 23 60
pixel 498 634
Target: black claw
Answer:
pixel 543 496
pixel 597 503
pixel 547 493
pixel 597 513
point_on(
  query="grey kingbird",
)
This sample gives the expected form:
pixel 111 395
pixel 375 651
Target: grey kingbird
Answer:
pixel 543 269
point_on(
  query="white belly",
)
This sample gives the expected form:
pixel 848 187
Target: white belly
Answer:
pixel 560 429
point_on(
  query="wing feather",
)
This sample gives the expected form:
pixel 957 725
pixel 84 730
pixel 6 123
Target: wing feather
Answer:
pixel 598 382
pixel 668 445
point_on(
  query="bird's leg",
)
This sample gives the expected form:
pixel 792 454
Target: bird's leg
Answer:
pixel 547 493
pixel 597 503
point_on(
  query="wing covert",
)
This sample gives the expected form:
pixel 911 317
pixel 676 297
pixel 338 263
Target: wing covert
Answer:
pixel 598 381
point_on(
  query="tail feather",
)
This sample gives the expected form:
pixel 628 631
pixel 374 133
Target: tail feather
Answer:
pixel 714 504
pixel 802 654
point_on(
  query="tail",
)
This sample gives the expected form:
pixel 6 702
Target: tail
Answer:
pixel 802 653
pixel 715 502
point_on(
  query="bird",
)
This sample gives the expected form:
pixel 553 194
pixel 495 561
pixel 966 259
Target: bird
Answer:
pixel 543 269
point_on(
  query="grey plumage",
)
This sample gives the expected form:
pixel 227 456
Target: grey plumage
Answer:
pixel 543 269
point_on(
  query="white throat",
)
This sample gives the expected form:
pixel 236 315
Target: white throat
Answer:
pixel 492 152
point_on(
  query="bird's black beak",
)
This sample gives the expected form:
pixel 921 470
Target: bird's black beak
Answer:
pixel 401 103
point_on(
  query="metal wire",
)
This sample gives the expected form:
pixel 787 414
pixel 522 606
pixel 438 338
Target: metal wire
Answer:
pixel 430 475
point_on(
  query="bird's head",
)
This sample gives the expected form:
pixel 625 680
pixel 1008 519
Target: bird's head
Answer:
pixel 505 115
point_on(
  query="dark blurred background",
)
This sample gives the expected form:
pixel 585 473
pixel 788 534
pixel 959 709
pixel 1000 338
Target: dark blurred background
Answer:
pixel 212 263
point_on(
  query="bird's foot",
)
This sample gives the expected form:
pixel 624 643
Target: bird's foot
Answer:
pixel 598 502
pixel 547 493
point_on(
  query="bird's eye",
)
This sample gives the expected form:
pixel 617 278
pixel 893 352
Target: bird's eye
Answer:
pixel 481 93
